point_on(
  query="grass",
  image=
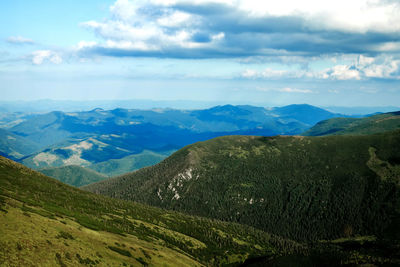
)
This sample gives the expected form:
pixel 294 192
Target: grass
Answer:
pixel 49 217
pixel 27 241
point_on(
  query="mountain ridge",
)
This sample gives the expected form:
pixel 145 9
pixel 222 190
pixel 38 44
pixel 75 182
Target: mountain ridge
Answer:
pixel 44 220
pixel 105 140
pixel 357 126
pixel 260 181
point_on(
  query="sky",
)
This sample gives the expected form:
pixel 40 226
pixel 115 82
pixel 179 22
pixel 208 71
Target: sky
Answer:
pixel 342 53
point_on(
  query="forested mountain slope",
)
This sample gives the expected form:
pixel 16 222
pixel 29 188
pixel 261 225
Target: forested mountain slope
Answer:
pixel 303 188
pixel 73 175
pixel 47 223
pixel 369 125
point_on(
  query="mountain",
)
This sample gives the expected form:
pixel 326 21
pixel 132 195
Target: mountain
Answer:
pixel 81 152
pixel 302 188
pixel 355 126
pixel 15 146
pixel 114 167
pixel 361 110
pixel 306 114
pixel 45 222
pixel 54 127
pixel 74 175
pixel 91 138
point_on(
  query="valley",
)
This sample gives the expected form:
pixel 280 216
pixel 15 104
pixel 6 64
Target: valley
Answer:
pixel 231 199
pixel 114 142
pixel 200 133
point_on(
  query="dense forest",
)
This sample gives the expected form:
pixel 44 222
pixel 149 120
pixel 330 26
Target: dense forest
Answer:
pixel 302 188
pixel 357 126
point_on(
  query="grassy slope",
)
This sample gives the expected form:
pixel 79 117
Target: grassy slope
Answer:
pixel 369 125
pixel 29 239
pixel 303 188
pixel 74 175
pixel 45 222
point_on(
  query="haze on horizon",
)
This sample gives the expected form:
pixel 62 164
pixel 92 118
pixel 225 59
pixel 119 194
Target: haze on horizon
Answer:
pixel 343 53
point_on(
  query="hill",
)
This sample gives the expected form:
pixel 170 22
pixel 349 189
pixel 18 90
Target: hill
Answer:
pixel 45 222
pixel 307 114
pixel 74 175
pixel 355 126
pixel 114 167
pixel 15 146
pixel 302 188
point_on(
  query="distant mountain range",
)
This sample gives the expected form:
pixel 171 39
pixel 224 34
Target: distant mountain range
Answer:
pixel 48 105
pixel 132 138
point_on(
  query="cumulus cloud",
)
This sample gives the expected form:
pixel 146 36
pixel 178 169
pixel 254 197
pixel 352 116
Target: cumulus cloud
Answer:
pixel 247 28
pixel 41 56
pixel 342 72
pixel 19 40
pixel 363 67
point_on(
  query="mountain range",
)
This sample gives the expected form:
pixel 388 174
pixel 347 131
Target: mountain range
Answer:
pixel 326 200
pixel 117 141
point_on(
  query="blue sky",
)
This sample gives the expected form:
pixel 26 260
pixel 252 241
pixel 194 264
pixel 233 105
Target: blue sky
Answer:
pixel 344 53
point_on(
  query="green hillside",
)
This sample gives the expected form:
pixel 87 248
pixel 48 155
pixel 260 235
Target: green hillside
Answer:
pixel 302 188
pixel 355 126
pixel 74 175
pixel 45 222
pixel 130 163
pixel 14 146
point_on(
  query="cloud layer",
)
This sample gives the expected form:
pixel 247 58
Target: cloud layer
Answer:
pixel 362 67
pixel 239 28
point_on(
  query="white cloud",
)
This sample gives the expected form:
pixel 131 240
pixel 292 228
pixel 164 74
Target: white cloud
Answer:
pixel 266 73
pixel 86 44
pixel 355 15
pixel 286 90
pixel 40 56
pixel 19 40
pixel 175 28
pixel 344 72
pixel 125 9
pixel 295 90
pixel 250 74
pixel 132 30
pixel 177 18
pixel 364 67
